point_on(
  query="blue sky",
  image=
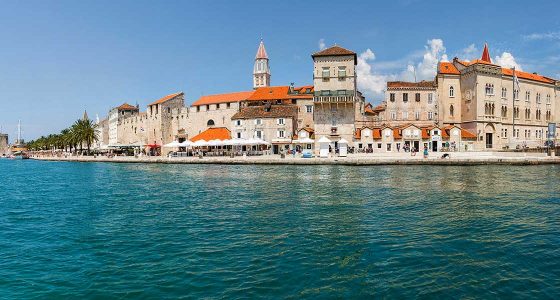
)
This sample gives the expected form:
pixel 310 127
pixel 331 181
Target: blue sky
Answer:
pixel 59 58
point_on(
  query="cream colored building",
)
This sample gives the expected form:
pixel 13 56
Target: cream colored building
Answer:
pixel 274 123
pixel 479 96
pixel 160 119
pixel 337 103
pixel 115 121
pixel 411 102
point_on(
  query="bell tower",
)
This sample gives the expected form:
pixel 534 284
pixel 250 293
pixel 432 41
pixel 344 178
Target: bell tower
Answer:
pixel 261 71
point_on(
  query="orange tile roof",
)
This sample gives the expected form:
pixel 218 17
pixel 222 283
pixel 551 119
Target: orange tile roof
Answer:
pixel 447 68
pixel 222 98
pixel 280 93
pixel 166 98
pixel 528 76
pixel 215 133
pixel 467 134
pixel 126 106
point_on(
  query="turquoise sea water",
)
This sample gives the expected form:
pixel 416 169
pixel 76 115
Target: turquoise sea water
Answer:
pixel 114 231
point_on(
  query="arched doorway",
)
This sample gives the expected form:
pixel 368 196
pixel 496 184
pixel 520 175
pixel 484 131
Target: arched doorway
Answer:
pixel 210 123
pixel 489 134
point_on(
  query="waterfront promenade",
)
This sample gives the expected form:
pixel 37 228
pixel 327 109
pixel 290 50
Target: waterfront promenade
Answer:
pixel 456 158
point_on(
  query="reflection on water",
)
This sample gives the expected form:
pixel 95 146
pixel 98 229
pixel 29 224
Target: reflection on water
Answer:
pixel 157 231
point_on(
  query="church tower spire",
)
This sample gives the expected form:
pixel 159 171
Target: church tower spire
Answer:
pixel 486 54
pixel 261 71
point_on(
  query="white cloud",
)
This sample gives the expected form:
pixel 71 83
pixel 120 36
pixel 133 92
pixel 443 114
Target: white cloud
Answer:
pixel 434 53
pixel 507 60
pixel 321 44
pixel 543 36
pixel 370 83
pixel 469 53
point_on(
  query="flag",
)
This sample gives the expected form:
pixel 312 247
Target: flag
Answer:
pixel 515 80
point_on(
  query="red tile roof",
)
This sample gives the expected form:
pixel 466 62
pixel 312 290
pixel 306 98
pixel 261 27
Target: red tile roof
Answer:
pixel 222 98
pixel 528 76
pixel 126 106
pixel 465 134
pixel 281 93
pixel 447 68
pixel 166 98
pixel 335 51
pixel 216 133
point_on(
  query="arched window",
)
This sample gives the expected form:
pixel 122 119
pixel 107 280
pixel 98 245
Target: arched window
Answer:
pixel 451 92
pixel 451 108
pixel 210 123
pixel 493 107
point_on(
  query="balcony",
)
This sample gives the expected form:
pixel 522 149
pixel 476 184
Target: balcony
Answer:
pixel 333 99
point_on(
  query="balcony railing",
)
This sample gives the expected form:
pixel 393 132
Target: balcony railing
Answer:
pixel 333 99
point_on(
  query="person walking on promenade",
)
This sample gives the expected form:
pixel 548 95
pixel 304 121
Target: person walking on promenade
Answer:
pixel 425 152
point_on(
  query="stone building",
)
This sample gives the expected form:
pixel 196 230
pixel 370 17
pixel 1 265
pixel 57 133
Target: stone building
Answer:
pixel 274 123
pixel 411 102
pixel 212 111
pixel 115 121
pixel 4 144
pixel 337 103
pixel 480 96
pixel 159 120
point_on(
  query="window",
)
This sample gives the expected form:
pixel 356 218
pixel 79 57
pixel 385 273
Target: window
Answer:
pixel 207 107
pixel 198 109
pixel 210 123
pixel 430 98
pixel 326 73
pixel 516 94
pixel 309 108
pixel 547 99
pixel 405 115
pixel 417 97
pixel 417 115
pixel 393 115
pixel 228 105
pixel 504 111
pixel 527 96
pixel 280 134
pixel 539 98
pixel 451 91
pixel 341 92
pixel 258 121
pixel 258 134
pixel 504 92
pixel 405 97
pixel 378 145
pixel 341 72
pixel 489 89
pixel 237 122
pixel 238 135
pixel 430 115
pixel 388 146
pixel 451 110
pixel 325 93
pixel 281 121
pixel 392 97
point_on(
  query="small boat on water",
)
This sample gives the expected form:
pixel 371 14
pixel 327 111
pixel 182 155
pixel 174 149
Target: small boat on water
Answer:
pixel 19 155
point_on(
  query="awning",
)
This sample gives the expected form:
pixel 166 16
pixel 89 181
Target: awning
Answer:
pixel 303 141
pixel 324 140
